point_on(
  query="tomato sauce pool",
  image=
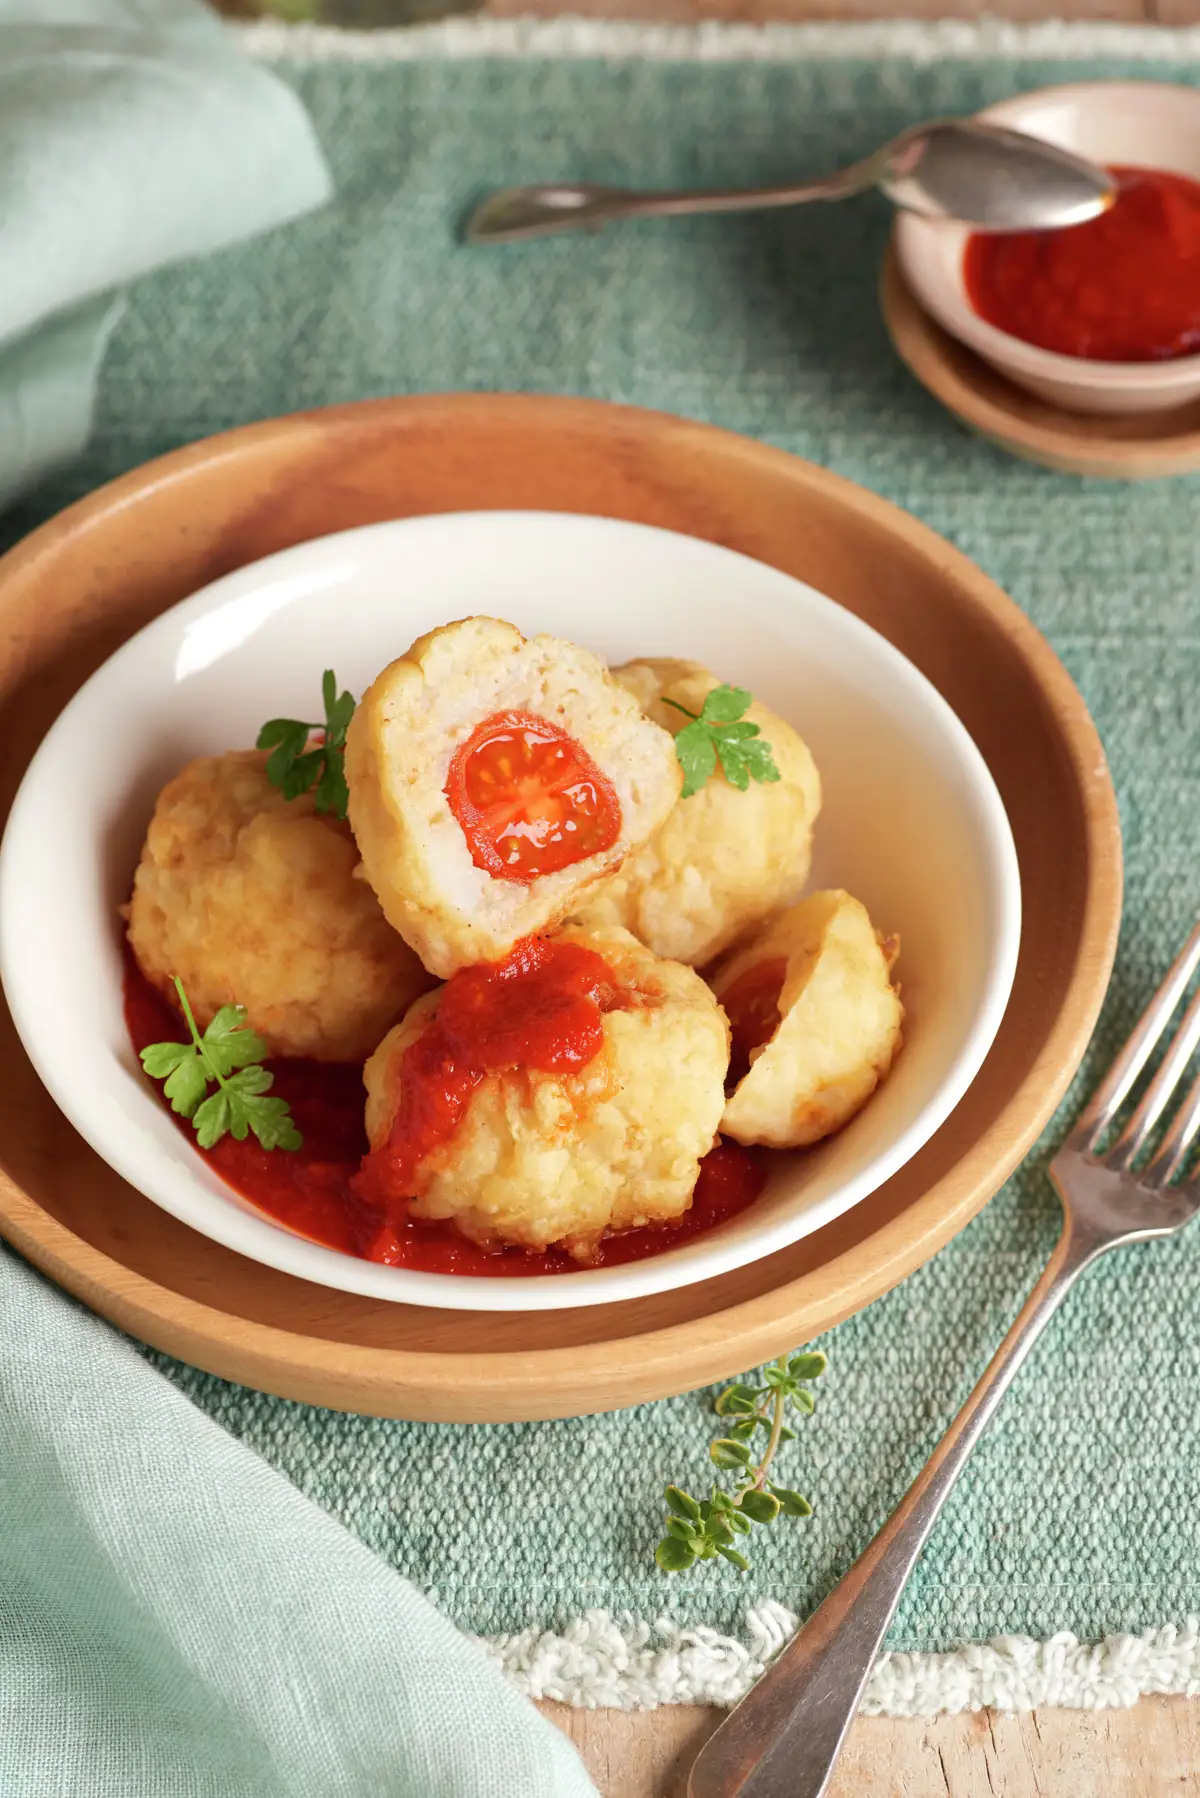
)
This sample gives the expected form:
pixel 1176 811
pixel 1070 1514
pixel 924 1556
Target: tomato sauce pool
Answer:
pixel 1125 287
pixel 312 1189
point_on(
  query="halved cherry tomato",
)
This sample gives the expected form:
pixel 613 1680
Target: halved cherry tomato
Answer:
pixel 530 799
pixel 752 1007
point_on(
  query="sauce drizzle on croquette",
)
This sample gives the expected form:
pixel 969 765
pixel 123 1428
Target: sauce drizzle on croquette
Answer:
pixel 530 800
pixel 541 1009
pixel 313 1190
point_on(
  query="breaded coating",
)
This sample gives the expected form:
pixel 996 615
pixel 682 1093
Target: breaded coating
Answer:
pixel 822 1033
pixel 252 899
pixel 723 860
pixel 426 710
pixel 543 1159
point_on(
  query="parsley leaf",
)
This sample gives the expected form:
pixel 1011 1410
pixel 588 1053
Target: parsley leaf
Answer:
pixel 229 1054
pixel 733 765
pixel 183 1071
pixel 295 768
pixel 718 732
pixel 697 757
pixel 240 1106
pixel 724 704
pixel 229 1043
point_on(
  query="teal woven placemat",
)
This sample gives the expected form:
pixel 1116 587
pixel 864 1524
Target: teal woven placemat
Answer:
pixel 1081 1509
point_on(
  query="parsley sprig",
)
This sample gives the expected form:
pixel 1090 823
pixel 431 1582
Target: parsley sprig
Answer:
pixel 718 732
pixel 229 1054
pixel 295 768
pixel 701 1529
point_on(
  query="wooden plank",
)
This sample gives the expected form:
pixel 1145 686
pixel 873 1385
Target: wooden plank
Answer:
pixel 1151 1751
pixel 1174 12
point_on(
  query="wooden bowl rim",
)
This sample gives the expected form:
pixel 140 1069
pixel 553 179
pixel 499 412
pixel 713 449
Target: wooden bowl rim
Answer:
pixel 282 1360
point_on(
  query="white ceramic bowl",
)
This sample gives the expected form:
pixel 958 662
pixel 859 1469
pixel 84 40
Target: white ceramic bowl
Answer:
pixel 1146 124
pixel 912 824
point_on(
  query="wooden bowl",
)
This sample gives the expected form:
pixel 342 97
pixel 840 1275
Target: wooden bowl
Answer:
pixel 82 583
pixel 1129 447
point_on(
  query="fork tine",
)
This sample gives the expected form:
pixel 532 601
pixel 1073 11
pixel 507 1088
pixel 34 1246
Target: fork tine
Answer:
pixel 1176 1144
pixel 1116 1084
pixel 1152 1103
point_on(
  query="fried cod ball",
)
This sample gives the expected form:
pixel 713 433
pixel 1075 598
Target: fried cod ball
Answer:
pixel 564 1158
pixel 493 780
pixel 723 859
pixel 251 899
pixel 816 1022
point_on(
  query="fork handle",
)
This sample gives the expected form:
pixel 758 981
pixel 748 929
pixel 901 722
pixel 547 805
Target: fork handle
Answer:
pixel 782 1740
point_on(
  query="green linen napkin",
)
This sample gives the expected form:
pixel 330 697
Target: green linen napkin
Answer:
pixel 177 1621
pixel 132 134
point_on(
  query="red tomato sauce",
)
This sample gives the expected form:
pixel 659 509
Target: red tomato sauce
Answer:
pixel 752 1007
pixel 529 798
pixel 312 1189
pixel 1125 287
pixel 542 1008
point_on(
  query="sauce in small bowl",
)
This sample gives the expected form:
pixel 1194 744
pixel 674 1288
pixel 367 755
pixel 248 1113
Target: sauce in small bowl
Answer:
pixel 1097 318
pixel 1125 287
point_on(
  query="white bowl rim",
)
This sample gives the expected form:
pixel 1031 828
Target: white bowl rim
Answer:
pixel 1002 347
pixel 258 1237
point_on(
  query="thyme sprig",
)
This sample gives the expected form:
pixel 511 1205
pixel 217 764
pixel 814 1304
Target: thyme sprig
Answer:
pixel 701 1529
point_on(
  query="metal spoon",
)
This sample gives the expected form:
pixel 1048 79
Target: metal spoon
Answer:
pixel 983 175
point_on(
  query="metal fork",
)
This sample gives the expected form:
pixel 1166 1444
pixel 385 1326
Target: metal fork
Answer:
pixel 784 1737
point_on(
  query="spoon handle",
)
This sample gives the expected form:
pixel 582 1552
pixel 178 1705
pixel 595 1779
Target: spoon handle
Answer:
pixel 545 210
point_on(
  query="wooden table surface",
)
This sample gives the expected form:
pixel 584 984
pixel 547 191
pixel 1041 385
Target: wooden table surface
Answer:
pixel 1148 1752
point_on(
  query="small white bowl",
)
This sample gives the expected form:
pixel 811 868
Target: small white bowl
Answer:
pixel 1142 124
pixel 912 824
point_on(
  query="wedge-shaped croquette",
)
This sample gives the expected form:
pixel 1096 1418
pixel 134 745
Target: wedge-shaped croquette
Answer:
pixel 816 1022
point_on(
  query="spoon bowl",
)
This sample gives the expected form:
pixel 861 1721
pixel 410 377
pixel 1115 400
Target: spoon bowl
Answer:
pixel 969 170
pixel 992 178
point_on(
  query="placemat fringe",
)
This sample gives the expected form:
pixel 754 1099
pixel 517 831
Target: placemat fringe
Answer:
pixel 602 1661
pixel 909 40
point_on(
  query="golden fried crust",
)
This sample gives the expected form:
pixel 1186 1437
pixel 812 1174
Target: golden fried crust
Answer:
pixel 541 1159
pixel 408 725
pixel 839 1030
pixel 252 899
pixel 723 860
